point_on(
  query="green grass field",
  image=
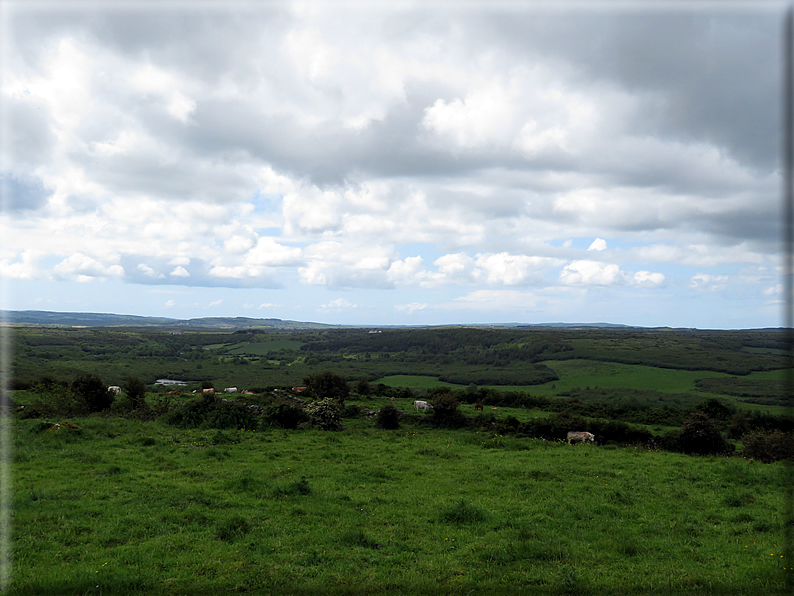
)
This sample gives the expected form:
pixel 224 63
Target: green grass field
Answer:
pixel 127 507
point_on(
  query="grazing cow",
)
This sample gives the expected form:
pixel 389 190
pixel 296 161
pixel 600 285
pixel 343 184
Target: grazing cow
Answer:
pixel 580 437
pixel 478 407
pixel 421 405
pixel 210 390
pixel 230 390
pixel 114 389
pixel 494 408
pixel 174 393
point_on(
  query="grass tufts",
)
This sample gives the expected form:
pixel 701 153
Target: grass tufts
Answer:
pixel 232 529
pixel 462 513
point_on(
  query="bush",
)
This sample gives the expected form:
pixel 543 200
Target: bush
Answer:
pixel 700 436
pixel 327 384
pixel 325 414
pixel 388 418
pixel 363 387
pixel 286 415
pixel 445 411
pixel 93 392
pixel 201 413
pixel 136 392
pixel 768 447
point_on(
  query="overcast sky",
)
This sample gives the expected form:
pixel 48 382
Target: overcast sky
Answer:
pixel 394 163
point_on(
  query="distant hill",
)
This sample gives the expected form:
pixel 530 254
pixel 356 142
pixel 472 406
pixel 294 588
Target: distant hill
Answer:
pixel 82 319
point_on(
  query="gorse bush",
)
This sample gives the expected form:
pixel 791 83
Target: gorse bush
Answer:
pixel 325 414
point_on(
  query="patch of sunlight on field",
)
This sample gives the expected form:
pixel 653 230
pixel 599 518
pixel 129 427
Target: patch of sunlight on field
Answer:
pixel 611 375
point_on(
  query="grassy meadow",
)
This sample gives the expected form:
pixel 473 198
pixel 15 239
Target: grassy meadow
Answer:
pixel 120 503
pixel 118 506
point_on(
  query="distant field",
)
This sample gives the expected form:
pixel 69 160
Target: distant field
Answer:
pixel 592 373
pixel 611 375
pixel 414 382
pixel 261 348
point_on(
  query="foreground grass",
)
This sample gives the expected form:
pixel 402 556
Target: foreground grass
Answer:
pixel 130 507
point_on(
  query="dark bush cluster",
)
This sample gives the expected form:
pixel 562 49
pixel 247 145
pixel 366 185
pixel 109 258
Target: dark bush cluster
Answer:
pixel 327 384
pixel 699 435
pixel 388 418
pixel 768 447
pixel 202 413
pixel 285 415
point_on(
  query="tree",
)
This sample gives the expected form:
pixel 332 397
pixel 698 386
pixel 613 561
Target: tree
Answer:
pixel 327 384
pixel 92 391
pixel 136 392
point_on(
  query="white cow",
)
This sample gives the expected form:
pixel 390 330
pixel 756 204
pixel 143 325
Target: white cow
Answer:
pixel 580 437
pixel 230 390
pixel 114 389
pixel 422 405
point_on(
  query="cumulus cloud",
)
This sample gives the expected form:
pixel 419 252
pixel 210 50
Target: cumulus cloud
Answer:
pixel 598 244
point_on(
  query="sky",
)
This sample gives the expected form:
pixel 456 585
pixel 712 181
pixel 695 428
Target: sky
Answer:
pixel 394 163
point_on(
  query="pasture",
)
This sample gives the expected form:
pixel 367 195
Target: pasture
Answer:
pixel 118 506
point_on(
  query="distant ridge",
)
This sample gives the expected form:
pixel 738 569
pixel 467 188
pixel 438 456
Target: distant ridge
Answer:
pixel 81 319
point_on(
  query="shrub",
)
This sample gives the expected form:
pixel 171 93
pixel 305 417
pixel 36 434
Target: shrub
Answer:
pixel 286 415
pixel 388 418
pixel 92 391
pixel 363 387
pixel 700 436
pixel 445 410
pixel 325 414
pixel 201 413
pixel 768 447
pixel 351 411
pixel 327 384
pixel 136 392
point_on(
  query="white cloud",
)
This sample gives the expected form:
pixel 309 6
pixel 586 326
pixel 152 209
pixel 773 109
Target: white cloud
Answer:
pixel 169 303
pixel 591 273
pixel 411 308
pixel 216 302
pixel 86 268
pixel 338 304
pixel 149 272
pixel 180 272
pixel 598 244
pixel 706 281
